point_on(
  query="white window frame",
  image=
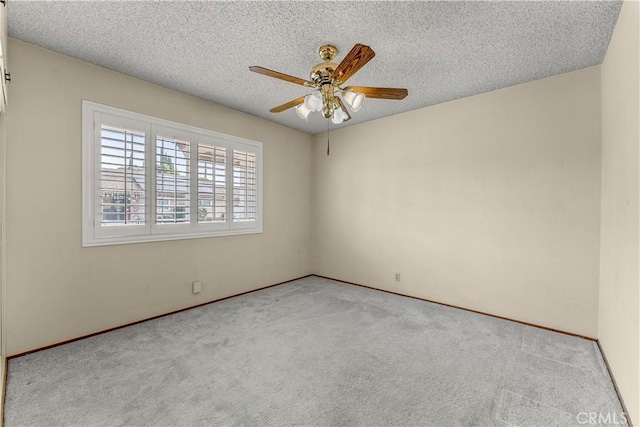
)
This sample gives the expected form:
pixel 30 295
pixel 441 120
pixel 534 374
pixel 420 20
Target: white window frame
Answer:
pixel 94 234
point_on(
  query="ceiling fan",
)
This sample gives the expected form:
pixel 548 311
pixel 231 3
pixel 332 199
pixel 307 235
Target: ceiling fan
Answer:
pixel 326 80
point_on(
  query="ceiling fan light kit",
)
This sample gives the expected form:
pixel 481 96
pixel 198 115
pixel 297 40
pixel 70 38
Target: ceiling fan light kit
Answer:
pixel 354 99
pixel 313 101
pixel 303 111
pixel 338 116
pixel 326 79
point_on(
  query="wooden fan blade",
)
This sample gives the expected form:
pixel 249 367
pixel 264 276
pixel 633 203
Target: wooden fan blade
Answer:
pixel 281 76
pixel 344 109
pixel 356 59
pixel 380 92
pixel 288 105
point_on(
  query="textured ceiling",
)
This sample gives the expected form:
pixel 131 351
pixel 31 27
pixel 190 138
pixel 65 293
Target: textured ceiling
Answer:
pixel 439 51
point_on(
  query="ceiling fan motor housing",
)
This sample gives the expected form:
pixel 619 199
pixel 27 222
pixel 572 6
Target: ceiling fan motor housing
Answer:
pixel 321 73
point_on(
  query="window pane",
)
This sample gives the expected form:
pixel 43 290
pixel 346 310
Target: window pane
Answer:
pixel 244 186
pixel 173 188
pixel 212 198
pixel 122 176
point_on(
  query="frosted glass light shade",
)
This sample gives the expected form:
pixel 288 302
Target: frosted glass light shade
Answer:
pixel 354 99
pixel 313 101
pixel 303 111
pixel 338 116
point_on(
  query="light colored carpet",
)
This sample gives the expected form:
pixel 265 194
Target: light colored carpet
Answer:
pixel 314 352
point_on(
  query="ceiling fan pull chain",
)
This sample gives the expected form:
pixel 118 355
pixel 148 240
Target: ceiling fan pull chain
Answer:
pixel 328 146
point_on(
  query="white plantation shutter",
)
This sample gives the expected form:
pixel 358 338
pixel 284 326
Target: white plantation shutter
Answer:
pixel 173 181
pixel 115 174
pixel 147 179
pixel 244 186
pixel 212 196
pixel 122 176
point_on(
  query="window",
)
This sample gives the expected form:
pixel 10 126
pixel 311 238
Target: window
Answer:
pixel 147 179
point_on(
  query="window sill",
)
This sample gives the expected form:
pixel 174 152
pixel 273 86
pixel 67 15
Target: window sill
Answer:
pixel 125 240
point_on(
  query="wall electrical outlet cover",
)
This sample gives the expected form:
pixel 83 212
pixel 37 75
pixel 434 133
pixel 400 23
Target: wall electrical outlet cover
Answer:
pixel 196 287
pixel 397 277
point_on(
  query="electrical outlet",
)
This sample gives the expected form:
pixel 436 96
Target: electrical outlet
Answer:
pixel 196 287
pixel 397 277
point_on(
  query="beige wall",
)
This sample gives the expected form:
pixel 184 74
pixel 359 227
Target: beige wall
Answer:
pixel 57 290
pixel 619 321
pixel 489 202
pixel 3 335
